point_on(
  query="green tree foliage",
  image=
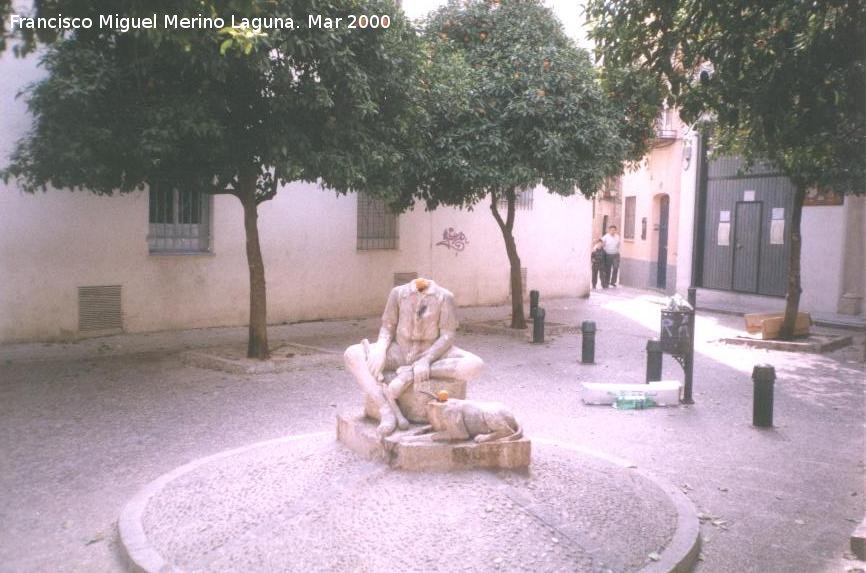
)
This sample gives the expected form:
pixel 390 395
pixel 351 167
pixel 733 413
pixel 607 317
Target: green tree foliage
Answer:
pixel 223 111
pixel 783 81
pixel 511 104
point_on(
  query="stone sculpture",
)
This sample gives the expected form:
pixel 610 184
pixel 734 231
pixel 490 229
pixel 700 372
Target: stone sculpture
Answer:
pixel 452 419
pixel 416 343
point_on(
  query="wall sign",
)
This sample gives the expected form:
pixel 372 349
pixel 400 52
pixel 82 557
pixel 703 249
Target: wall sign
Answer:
pixel 748 195
pixel 777 232
pixel 724 234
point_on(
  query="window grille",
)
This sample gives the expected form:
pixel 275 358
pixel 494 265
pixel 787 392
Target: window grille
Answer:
pixel 611 188
pixel 179 221
pixel 664 125
pixel 628 224
pixel 377 224
pixel 523 200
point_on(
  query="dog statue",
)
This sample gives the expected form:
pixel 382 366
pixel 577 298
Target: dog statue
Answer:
pixel 457 420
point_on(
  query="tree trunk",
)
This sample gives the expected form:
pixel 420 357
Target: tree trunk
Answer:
pixel 792 305
pixel 507 227
pixel 257 345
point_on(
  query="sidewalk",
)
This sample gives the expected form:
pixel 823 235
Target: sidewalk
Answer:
pixel 737 303
pixel 86 425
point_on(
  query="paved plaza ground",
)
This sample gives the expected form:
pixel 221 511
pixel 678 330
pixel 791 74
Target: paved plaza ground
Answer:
pixel 84 426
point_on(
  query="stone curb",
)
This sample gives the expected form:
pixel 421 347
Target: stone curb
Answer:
pixel 499 327
pixel 682 552
pixel 209 359
pixel 679 556
pixel 823 344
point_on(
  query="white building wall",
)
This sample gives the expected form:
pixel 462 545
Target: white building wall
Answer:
pixel 686 229
pixel 52 243
pixel 822 257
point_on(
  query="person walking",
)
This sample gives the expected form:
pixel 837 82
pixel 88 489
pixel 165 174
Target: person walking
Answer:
pixel 597 260
pixel 611 242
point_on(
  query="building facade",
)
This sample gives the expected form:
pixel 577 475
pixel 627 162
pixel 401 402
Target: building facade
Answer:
pixel 645 205
pixel 75 264
pixel 735 239
pixel 691 220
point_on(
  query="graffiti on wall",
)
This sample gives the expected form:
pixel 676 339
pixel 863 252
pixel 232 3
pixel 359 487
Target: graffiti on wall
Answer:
pixel 453 240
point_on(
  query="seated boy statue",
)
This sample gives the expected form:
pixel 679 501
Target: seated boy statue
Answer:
pixel 416 341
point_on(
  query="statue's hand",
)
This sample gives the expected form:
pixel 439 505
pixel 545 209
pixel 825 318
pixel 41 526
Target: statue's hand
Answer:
pixel 421 370
pixel 376 358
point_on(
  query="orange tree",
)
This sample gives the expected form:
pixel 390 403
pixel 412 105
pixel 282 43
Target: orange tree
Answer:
pixel 511 103
pixel 236 111
pixel 783 81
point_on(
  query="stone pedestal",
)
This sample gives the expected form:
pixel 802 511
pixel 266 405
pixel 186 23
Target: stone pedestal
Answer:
pixel 413 402
pixel 358 433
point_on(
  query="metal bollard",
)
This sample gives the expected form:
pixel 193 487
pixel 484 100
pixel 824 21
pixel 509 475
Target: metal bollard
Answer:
pixel 538 326
pixel 693 297
pixel 653 361
pixel 533 303
pixel 587 348
pixel 763 377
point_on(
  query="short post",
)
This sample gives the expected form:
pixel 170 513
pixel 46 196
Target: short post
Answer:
pixel 653 361
pixel 689 361
pixel 763 377
pixel 587 348
pixel 538 326
pixel 693 297
pixel 533 303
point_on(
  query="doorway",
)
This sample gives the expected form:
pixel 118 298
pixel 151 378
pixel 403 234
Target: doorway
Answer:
pixel 747 246
pixel 662 257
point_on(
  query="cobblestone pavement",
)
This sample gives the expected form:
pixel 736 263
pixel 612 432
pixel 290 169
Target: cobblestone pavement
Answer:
pixel 83 426
pixel 314 505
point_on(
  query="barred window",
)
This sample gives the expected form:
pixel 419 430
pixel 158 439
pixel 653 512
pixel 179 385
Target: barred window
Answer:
pixel 523 200
pixel 628 224
pixel 377 224
pixel 611 188
pixel 179 221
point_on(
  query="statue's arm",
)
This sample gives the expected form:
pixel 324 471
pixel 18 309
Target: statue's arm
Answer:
pixel 440 347
pixel 390 317
pixel 378 352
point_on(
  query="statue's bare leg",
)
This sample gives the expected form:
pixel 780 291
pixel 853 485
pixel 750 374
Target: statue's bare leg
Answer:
pixel 457 364
pixel 356 363
pixel 402 422
pixel 401 381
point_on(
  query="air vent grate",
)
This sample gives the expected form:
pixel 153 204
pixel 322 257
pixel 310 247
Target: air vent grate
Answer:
pixel 403 278
pixel 99 308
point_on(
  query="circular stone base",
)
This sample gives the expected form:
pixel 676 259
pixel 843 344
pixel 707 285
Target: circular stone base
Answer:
pixel 307 503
